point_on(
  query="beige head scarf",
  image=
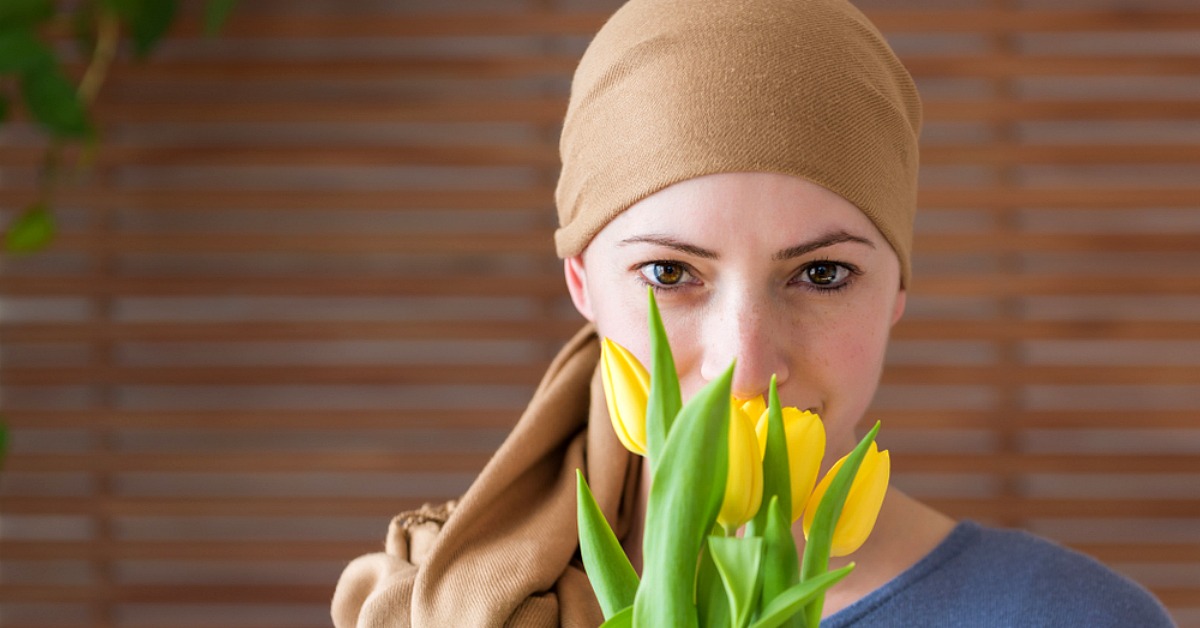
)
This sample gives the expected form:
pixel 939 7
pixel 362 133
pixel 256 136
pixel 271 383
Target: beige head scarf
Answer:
pixel 670 90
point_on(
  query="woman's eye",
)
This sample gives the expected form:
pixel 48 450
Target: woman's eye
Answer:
pixel 825 274
pixel 664 273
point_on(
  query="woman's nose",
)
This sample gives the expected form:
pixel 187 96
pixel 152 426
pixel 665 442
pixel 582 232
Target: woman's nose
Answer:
pixel 745 332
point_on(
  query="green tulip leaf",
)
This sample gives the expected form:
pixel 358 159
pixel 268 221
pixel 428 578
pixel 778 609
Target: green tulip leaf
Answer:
pixel 664 399
pixel 24 13
pixel 711 602
pixel 21 51
pixel 793 600
pixel 3 440
pixel 738 560
pixel 148 21
pixel 53 101
pixel 31 231
pixel 622 619
pixel 686 491
pixel 216 12
pixel 820 533
pixel 781 566
pixel 613 577
pixel 777 477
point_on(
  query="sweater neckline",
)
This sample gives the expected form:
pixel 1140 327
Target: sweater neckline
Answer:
pixel 963 535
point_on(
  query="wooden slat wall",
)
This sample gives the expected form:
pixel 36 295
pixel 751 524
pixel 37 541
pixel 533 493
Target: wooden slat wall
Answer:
pixel 309 284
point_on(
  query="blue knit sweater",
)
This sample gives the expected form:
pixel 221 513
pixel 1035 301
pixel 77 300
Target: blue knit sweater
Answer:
pixel 983 577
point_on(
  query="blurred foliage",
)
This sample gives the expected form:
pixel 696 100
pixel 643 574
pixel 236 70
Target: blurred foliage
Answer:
pixel 31 73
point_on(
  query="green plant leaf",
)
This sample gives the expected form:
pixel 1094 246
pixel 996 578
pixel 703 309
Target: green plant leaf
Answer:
pixel 24 13
pixel 664 399
pixel 712 604
pixel 623 619
pixel 792 601
pixel 781 565
pixel 216 12
pixel 738 560
pixel 21 51
pixel 820 533
pixel 777 476
pixel 31 231
pixel 3 440
pixel 83 27
pixel 53 101
pixel 148 21
pixel 613 577
pixel 686 491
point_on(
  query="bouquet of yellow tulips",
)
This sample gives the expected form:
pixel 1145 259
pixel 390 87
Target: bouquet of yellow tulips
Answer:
pixel 714 462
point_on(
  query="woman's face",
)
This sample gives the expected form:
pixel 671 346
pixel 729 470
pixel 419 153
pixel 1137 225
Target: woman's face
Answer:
pixel 776 272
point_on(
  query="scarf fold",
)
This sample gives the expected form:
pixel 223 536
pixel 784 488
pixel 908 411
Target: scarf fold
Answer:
pixel 506 553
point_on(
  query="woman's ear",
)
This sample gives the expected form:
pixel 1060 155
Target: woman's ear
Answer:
pixel 577 285
pixel 898 308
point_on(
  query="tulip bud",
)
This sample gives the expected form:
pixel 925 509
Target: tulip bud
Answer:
pixel 626 387
pixel 743 485
pixel 862 503
pixel 805 446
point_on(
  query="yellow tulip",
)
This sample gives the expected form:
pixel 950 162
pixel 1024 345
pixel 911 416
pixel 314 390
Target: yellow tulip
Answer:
pixel 626 388
pixel 743 485
pixel 805 447
pixel 862 503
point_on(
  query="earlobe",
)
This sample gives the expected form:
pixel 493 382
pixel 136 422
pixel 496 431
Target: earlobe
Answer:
pixel 898 308
pixel 577 285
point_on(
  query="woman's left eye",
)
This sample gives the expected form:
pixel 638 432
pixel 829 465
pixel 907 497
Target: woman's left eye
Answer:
pixel 825 275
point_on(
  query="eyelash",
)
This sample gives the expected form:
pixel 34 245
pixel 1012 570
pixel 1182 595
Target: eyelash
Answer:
pixel 850 268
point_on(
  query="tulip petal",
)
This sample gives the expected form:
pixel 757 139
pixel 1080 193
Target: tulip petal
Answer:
pixel 743 488
pixel 626 385
pixel 805 449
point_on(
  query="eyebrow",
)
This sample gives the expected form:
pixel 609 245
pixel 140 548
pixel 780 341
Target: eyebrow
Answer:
pixel 672 243
pixel 804 248
pixel 830 239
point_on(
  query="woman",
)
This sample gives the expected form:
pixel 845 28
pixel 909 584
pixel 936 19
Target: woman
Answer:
pixel 755 162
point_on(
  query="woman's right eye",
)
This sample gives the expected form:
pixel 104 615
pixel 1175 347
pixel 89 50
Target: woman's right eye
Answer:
pixel 664 274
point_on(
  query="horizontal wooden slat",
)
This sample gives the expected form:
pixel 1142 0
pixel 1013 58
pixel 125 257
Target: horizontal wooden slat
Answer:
pixel 388 374
pixel 532 241
pixel 551 111
pixel 479 68
pixel 540 242
pixel 294 551
pixel 433 462
pixel 335 330
pixel 444 419
pixel 470 329
pixel 384 508
pixel 185 550
pixel 1067 508
pixel 530 373
pixel 252 462
pixel 539 199
pixel 191 593
pixel 1009 154
pixel 549 285
pixel 480 23
pixel 213 506
pixel 492 417
pixel 542 199
pixel 115 153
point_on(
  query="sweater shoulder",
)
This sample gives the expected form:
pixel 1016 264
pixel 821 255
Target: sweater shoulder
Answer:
pixel 982 576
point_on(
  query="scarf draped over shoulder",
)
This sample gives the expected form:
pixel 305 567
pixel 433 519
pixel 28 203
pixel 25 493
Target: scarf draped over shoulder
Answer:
pixel 506 553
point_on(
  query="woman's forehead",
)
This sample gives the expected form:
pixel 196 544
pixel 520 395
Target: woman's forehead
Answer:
pixel 765 208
